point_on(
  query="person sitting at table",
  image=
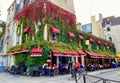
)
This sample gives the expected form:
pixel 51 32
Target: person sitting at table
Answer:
pixel 60 68
pixel 46 70
pixel 78 67
pixel 52 71
pixel 54 67
pixel 81 68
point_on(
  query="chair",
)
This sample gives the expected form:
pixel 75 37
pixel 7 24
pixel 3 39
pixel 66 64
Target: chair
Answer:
pixel 35 71
pixel 40 69
pixel 12 69
pixel 51 72
pixel 16 71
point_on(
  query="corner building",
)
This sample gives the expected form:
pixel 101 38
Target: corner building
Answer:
pixel 47 33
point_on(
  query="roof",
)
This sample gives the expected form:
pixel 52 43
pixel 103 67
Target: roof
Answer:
pixel 112 19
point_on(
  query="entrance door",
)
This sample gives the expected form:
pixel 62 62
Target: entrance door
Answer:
pixel 54 60
pixel 79 60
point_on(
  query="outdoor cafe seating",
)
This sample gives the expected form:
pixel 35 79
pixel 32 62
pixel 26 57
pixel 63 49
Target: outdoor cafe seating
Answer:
pixel 35 71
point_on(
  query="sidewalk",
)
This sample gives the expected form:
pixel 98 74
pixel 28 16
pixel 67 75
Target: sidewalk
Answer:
pixel 7 78
pixel 102 71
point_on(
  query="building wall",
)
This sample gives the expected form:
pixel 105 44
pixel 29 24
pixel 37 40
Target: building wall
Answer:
pixel 10 37
pixel 115 34
pixel 65 4
pixel 106 33
pixel 79 26
pixel 2 25
pixel 114 27
pixel 96 27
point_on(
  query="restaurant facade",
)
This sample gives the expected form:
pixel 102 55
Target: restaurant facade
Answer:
pixel 48 35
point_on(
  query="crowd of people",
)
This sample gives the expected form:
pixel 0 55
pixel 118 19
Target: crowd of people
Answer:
pixel 72 67
pixel 96 66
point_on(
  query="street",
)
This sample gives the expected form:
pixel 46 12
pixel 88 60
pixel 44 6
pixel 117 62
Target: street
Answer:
pixel 113 74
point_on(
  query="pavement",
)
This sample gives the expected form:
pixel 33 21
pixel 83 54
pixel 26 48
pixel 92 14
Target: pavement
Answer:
pixel 7 78
pixel 102 71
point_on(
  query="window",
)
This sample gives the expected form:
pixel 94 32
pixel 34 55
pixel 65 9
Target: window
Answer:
pixel 81 43
pixel 98 46
pixel 89 46
pixel 110 38
pixel 108 29
pixel 0 29
pixel 104 36
pixel 52 37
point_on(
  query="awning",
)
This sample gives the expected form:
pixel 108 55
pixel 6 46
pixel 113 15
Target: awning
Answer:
pixel 117 57
pixel 66 54
pixel 54 30
pixel 10 52
pixel 81 53
pixel 109 45
pixel 98 42
pixel 80 37
pixel 108 57
pixel 36 51
pixel 105 44
pixel 92 55
pixel 91 39
pixel 27 29
pixel 21 51
pixel 75 54
pixel 71 34
pixel 55 52
pixel 17 51
pixel 100 56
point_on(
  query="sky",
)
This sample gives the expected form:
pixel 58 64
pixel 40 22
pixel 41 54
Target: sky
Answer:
pixel 4 5
pixel 83 9
pixel 87 8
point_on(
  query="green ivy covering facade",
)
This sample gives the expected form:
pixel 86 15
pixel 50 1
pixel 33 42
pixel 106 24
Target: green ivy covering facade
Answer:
pixel 35 38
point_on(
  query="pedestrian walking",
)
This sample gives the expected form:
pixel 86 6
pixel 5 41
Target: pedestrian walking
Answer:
pixel 73 70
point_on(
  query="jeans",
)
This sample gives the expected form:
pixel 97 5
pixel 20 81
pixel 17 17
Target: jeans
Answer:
pixel 72 73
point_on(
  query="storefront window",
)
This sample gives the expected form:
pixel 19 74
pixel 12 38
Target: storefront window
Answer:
pixel 64 60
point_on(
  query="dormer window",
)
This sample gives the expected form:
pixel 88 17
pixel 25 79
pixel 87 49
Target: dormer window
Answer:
pixel 98 44
pixel 53 37
pixel 54 32
pixel 80 38
pixel 91 40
